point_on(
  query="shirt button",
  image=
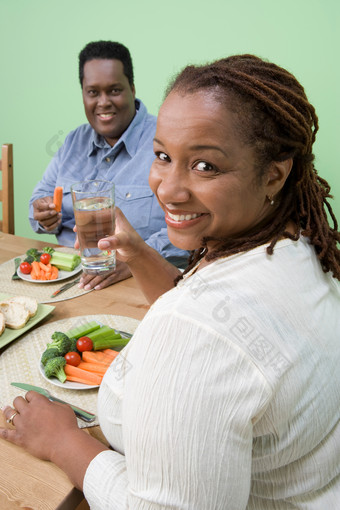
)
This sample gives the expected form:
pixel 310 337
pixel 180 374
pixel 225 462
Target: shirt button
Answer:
pixel 128 195
pixel 108 160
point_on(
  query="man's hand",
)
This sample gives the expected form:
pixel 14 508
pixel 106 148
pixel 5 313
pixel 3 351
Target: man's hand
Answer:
pixel 97 282
pixel 125 241
pixel 44 212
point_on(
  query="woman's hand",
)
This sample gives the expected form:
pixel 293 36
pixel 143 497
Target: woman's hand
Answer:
pixel 41 426
pixel 126 241
pixel 49 431
pixel 153 273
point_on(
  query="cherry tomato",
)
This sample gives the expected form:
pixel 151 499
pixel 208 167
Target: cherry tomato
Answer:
pixel 84 343
pixel 72 358
pixel 45 258
pixel 25 267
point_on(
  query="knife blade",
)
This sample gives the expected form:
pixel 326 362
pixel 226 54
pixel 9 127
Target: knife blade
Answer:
pixel 83 415
pixel 65 287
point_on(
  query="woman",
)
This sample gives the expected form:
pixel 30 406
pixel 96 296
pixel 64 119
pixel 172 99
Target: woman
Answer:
pixel 228 395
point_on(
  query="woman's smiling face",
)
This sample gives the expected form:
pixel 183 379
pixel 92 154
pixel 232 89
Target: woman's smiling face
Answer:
pixel 203 175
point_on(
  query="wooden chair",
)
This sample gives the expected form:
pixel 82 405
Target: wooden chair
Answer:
pixel 7 191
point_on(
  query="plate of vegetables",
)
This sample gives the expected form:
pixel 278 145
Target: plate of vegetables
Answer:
pixel 78 358
pixel 48 266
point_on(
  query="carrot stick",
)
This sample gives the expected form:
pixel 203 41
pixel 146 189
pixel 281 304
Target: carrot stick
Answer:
pixel 98 357
pixel 44 267
pixel 54 273
pixel 84 375
pixel 58 198
pixel 35 270
pixel 83 381
pixel 98 368
pixel 112 354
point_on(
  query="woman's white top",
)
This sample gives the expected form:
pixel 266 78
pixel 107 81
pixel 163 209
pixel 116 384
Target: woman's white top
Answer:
pixel 228 395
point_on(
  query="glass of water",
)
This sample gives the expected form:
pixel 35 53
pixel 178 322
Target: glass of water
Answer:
pixel 93 205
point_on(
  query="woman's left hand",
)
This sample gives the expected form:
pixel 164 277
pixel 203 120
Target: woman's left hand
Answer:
pixel 40 426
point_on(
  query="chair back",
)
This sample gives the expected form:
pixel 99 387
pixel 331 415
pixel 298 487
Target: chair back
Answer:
pixel 7 189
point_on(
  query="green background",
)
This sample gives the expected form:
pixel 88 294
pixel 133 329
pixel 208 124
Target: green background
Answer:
pixel 40 100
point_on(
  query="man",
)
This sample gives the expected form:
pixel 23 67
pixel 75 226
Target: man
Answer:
pixel 116 145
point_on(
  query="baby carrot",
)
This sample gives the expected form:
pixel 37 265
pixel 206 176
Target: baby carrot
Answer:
pixel 58 198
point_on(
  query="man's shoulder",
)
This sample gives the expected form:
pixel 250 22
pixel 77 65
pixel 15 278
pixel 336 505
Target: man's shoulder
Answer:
pixel 147 118
pixel 83 131
pixel 151 120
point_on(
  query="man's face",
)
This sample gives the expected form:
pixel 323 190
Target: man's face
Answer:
pixel 109 99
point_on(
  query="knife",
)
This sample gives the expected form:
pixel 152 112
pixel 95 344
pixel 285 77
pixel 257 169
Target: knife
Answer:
pixel 83 415
pixel 65 287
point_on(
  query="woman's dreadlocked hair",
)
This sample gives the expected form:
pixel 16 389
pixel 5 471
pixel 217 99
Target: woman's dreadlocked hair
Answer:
pixel 276 119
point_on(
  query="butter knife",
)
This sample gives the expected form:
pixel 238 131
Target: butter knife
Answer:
pixel 83 415
pixel 65 287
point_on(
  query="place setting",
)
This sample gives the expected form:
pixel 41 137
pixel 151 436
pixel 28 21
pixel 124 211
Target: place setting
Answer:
pixel 22 362
pixel 15 281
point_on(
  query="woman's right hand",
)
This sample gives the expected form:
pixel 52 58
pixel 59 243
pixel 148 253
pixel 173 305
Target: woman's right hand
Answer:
pixel 143 261
pixel 128 244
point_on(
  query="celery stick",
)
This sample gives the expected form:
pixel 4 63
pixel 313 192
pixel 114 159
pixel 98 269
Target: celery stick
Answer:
pixel 103 331
pixel 104 334
pixel 109 343
pixel 83 330
pixel 65 261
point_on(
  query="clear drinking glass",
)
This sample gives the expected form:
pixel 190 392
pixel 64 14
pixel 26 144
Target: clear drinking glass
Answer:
pixel 93 205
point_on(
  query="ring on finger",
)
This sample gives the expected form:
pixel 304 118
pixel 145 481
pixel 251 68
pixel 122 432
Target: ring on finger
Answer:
pixel 11 418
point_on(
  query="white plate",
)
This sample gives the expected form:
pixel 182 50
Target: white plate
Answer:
pixel 62 275
pixel 67 385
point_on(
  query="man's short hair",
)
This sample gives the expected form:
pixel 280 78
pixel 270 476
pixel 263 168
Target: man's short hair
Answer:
pixel 106 50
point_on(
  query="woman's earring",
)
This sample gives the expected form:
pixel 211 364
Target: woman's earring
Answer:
pixel 271 200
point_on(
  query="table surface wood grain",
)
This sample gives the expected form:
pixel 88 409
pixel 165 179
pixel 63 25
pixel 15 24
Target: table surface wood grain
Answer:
pixel 27 482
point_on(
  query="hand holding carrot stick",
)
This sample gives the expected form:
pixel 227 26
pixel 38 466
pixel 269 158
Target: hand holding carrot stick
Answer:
pixel 47 210
pixel 45 213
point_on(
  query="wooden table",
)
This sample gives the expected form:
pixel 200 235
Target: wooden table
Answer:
pixel 27 482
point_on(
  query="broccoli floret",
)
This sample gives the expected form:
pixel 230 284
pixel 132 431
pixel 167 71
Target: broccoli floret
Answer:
pixel 29 259
pixel 53 352
pixel 55 368
pixel 34 253
pixel 73 345
pixel 60 342
pixel 48 249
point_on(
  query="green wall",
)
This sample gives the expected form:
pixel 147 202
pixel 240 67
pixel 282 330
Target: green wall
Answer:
pixel 40 99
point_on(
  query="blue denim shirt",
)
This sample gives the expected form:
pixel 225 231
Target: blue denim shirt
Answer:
pixel 86 155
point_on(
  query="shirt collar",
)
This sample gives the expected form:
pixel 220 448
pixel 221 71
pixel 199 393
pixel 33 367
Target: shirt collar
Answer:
pixel 129 138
